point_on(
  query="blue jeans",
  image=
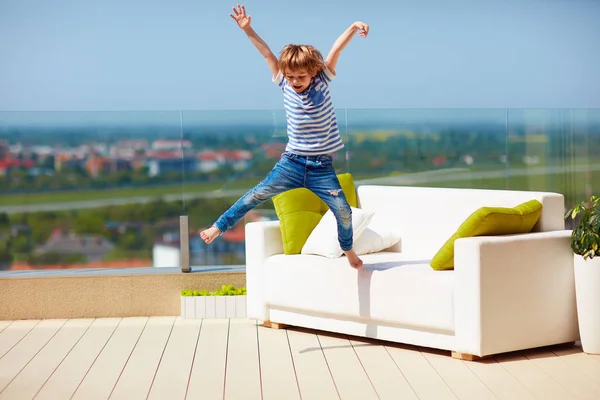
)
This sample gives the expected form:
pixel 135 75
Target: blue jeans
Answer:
pixel 292 171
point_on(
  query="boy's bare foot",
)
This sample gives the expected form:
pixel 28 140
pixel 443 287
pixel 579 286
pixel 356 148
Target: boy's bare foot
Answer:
pixel 353 259
pixel 208 235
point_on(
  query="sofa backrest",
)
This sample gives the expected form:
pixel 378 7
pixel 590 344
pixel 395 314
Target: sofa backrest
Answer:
pixel 426 217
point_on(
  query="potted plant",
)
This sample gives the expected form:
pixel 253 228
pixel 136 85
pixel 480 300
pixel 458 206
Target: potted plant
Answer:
pixel 227 302
pixel 585 242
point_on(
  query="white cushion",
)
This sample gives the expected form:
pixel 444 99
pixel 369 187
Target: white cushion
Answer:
pixel 378 236
pixel 391 288
pixel 323 240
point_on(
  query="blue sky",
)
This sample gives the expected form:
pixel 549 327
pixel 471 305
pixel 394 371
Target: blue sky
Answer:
pixel 189 54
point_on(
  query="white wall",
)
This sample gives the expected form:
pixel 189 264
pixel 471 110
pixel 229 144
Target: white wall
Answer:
pixel 165 256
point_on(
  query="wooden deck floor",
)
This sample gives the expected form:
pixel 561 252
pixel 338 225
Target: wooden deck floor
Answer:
pixel 171 358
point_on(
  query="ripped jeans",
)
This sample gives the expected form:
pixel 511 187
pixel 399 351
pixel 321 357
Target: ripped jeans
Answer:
pixel 292 171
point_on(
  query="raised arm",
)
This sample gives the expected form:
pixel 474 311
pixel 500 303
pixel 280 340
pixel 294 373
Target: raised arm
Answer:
pixel 342 41
pixel 243 22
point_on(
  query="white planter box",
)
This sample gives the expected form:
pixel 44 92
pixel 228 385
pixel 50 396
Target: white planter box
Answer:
pixel 220 306
pixel 200 304
pixel 587 289
pixel 213 307
pixel 188 307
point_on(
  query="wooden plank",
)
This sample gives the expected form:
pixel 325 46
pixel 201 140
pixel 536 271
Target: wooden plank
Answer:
pixel 4 325
pixel 499 380
pixel 24 351
pixel 312 371
pixel 419 373
pixel 71 371
pixel 461 380
pixel 567 376
pixel 348 374
pixel 581 361
pixel 538 382
pixel 13 333
pixel 207 378
pixel 274 325
pixel 466 356
pixel 242 373
pixel 276 367
pixel 34 375
pixel 172 377
pixel 102 377
pixel 386 377
pixel 136 379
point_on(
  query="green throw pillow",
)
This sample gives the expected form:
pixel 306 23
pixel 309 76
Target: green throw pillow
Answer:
pixel 489 221
pixel 300 210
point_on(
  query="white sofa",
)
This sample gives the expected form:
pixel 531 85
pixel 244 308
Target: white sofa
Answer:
pixel 505 293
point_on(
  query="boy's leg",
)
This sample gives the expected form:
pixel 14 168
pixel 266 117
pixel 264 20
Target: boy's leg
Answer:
pixel 323 181
pixel 284 176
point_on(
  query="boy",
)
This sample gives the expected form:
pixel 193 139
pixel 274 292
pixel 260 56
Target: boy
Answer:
pixel 313 134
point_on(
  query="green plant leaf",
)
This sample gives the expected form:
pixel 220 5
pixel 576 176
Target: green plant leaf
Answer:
pixel 226 290
pixel 585 238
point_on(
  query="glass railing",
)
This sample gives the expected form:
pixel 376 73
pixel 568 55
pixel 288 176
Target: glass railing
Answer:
pixel 109 189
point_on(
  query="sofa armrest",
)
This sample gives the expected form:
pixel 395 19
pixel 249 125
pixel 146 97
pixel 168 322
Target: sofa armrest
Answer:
pixel 514 292
pixel 263 239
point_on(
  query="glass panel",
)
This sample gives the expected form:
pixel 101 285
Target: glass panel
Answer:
pixel 87 189
pixel 431 147
pixel 555 150
pixel 106 189
pixel 232 152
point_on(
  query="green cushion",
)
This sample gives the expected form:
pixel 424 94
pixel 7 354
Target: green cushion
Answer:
pixel 300 211
pixel 489 221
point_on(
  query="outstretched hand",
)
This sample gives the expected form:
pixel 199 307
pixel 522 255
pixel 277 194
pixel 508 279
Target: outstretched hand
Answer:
pixel 364 28
pixel 240 17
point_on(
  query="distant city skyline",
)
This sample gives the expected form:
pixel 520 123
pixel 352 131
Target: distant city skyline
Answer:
pixel 97 56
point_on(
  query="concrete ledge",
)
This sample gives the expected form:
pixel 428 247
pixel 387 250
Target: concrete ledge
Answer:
pixel 125 293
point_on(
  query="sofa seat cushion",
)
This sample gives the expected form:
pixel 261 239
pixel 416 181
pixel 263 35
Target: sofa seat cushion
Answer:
pixel 391 288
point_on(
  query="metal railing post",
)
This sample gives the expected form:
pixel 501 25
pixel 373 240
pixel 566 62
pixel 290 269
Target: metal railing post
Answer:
pixel 184 243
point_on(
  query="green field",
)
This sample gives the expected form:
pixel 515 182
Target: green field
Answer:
pixel 574 185
pixel 90 195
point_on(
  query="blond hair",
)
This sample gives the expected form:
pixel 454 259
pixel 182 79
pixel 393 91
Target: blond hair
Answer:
pixel 294 57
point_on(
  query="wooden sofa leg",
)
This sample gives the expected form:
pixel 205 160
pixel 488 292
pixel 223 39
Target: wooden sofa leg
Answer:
pixel 466 357
pixel 273 325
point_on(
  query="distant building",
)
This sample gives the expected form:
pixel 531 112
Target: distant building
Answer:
pixel 129 149
pixel 273 150
pixel 96 165
pixel 93 247
pixel 171 145
pixel 238 159
pixel 7 164
pixel 68 160
pixel 169 161
pixel 209 161
pixel 166 254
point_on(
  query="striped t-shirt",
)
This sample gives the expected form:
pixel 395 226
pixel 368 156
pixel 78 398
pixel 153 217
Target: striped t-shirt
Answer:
pixel 311 123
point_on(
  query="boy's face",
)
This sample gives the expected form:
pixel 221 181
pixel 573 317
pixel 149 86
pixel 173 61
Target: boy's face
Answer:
pixel 299 80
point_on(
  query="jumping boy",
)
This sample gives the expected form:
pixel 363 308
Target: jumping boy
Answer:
pixel 312 129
